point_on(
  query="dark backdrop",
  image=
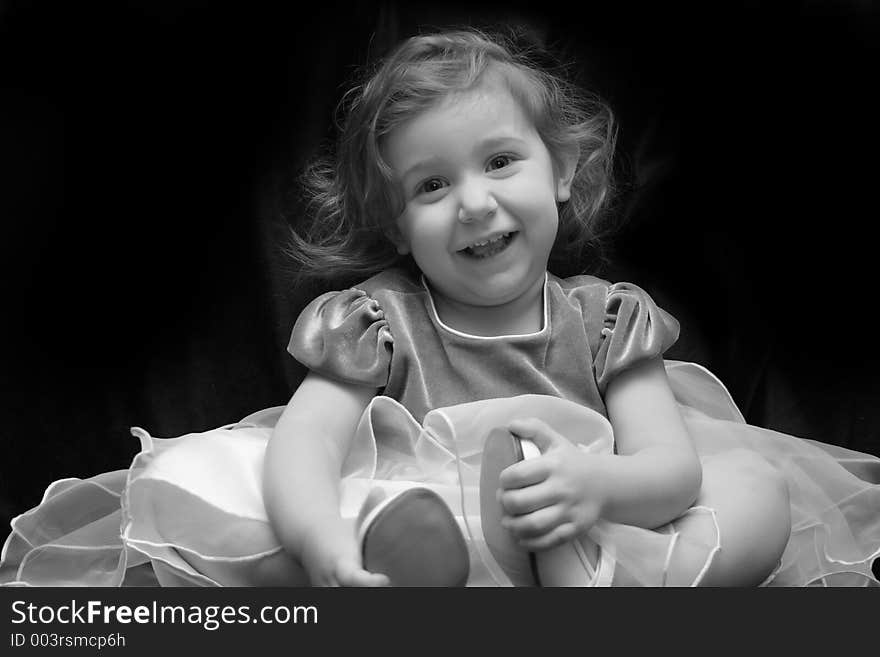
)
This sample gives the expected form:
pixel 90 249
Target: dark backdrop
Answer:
pixel 145 150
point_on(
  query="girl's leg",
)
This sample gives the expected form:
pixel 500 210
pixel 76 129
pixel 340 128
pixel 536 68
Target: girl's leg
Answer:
pixel 750 500
pixel 751 505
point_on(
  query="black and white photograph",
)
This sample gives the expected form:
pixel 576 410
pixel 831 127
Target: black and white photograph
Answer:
pixel 407 294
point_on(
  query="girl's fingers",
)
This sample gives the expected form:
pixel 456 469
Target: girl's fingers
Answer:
pixel 525 473
pixel 557 536
pixel 534 524
pixel 351 574
pixel 538 431
pixel 363 578
pixel 519 501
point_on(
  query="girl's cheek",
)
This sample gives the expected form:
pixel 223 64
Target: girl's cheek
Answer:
pixel 525 189
pixel 430 224
pixel 527 200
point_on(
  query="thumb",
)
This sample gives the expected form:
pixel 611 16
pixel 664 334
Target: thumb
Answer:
pixel 538 431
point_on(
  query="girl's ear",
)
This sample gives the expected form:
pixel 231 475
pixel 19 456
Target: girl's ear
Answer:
pixel 566 165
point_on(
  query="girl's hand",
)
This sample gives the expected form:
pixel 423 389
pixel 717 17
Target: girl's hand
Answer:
pixel 332 558
pixel 551 499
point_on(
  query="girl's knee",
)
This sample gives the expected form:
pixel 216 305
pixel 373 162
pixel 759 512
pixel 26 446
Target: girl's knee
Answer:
pixel 752 498
pixel 753 473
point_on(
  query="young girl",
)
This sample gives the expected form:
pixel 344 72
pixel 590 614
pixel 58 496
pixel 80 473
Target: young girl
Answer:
pixel 462 172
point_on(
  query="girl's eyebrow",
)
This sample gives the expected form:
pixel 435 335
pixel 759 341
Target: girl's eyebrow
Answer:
pixel 483 144
pixel 502 140
pixel 422 164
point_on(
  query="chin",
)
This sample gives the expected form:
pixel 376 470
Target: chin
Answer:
pixel 504 292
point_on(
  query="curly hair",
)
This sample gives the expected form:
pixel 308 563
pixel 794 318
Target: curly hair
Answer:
pixel 352 201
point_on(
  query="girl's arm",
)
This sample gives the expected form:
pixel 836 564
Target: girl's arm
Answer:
pixel 652 479
pixel 656 473
pixel 302 474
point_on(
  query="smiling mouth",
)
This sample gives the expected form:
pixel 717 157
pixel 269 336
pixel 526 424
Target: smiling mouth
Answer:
pixel 490 247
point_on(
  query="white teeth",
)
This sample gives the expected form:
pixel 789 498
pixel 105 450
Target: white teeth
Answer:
pixel 485 242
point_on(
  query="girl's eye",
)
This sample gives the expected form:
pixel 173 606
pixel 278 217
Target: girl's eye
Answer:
pixel 499 162
pixel 431 185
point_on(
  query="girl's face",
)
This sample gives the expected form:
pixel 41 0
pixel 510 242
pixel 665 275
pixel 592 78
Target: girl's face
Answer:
pixel 480 191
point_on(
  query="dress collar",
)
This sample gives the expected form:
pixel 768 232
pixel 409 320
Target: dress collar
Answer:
pixel 436 317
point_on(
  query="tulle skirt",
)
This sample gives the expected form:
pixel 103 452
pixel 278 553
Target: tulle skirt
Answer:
pixel 189 510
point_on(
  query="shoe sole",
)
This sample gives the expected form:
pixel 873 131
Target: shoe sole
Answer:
pixel 414 540
pixel 501 450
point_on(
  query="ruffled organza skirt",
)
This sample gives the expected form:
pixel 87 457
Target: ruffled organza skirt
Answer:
pixel 189 510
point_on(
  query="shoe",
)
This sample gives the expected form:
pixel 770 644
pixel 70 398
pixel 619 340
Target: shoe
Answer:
pixel 576 563
pixel 503 449
pixel 412 538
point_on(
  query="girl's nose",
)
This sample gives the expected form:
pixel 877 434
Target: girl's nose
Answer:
pixel 476 207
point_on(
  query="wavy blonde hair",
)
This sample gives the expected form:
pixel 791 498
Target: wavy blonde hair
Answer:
pixel 352 200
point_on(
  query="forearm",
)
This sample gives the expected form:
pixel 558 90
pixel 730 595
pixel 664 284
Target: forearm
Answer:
pixel 301 488
pixel 656 474
pixel 651 487
pixel 304 462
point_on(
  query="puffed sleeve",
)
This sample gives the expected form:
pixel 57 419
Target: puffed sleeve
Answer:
pixel 635 329
pixel 344 335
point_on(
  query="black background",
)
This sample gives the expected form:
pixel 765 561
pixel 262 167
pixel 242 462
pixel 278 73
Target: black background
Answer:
pixel 146 149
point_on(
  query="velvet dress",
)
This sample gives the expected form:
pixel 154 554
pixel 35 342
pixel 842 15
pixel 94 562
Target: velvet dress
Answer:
pixel 189 510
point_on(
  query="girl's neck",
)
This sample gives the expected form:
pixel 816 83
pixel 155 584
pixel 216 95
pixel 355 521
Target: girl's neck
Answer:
pixel 522 316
